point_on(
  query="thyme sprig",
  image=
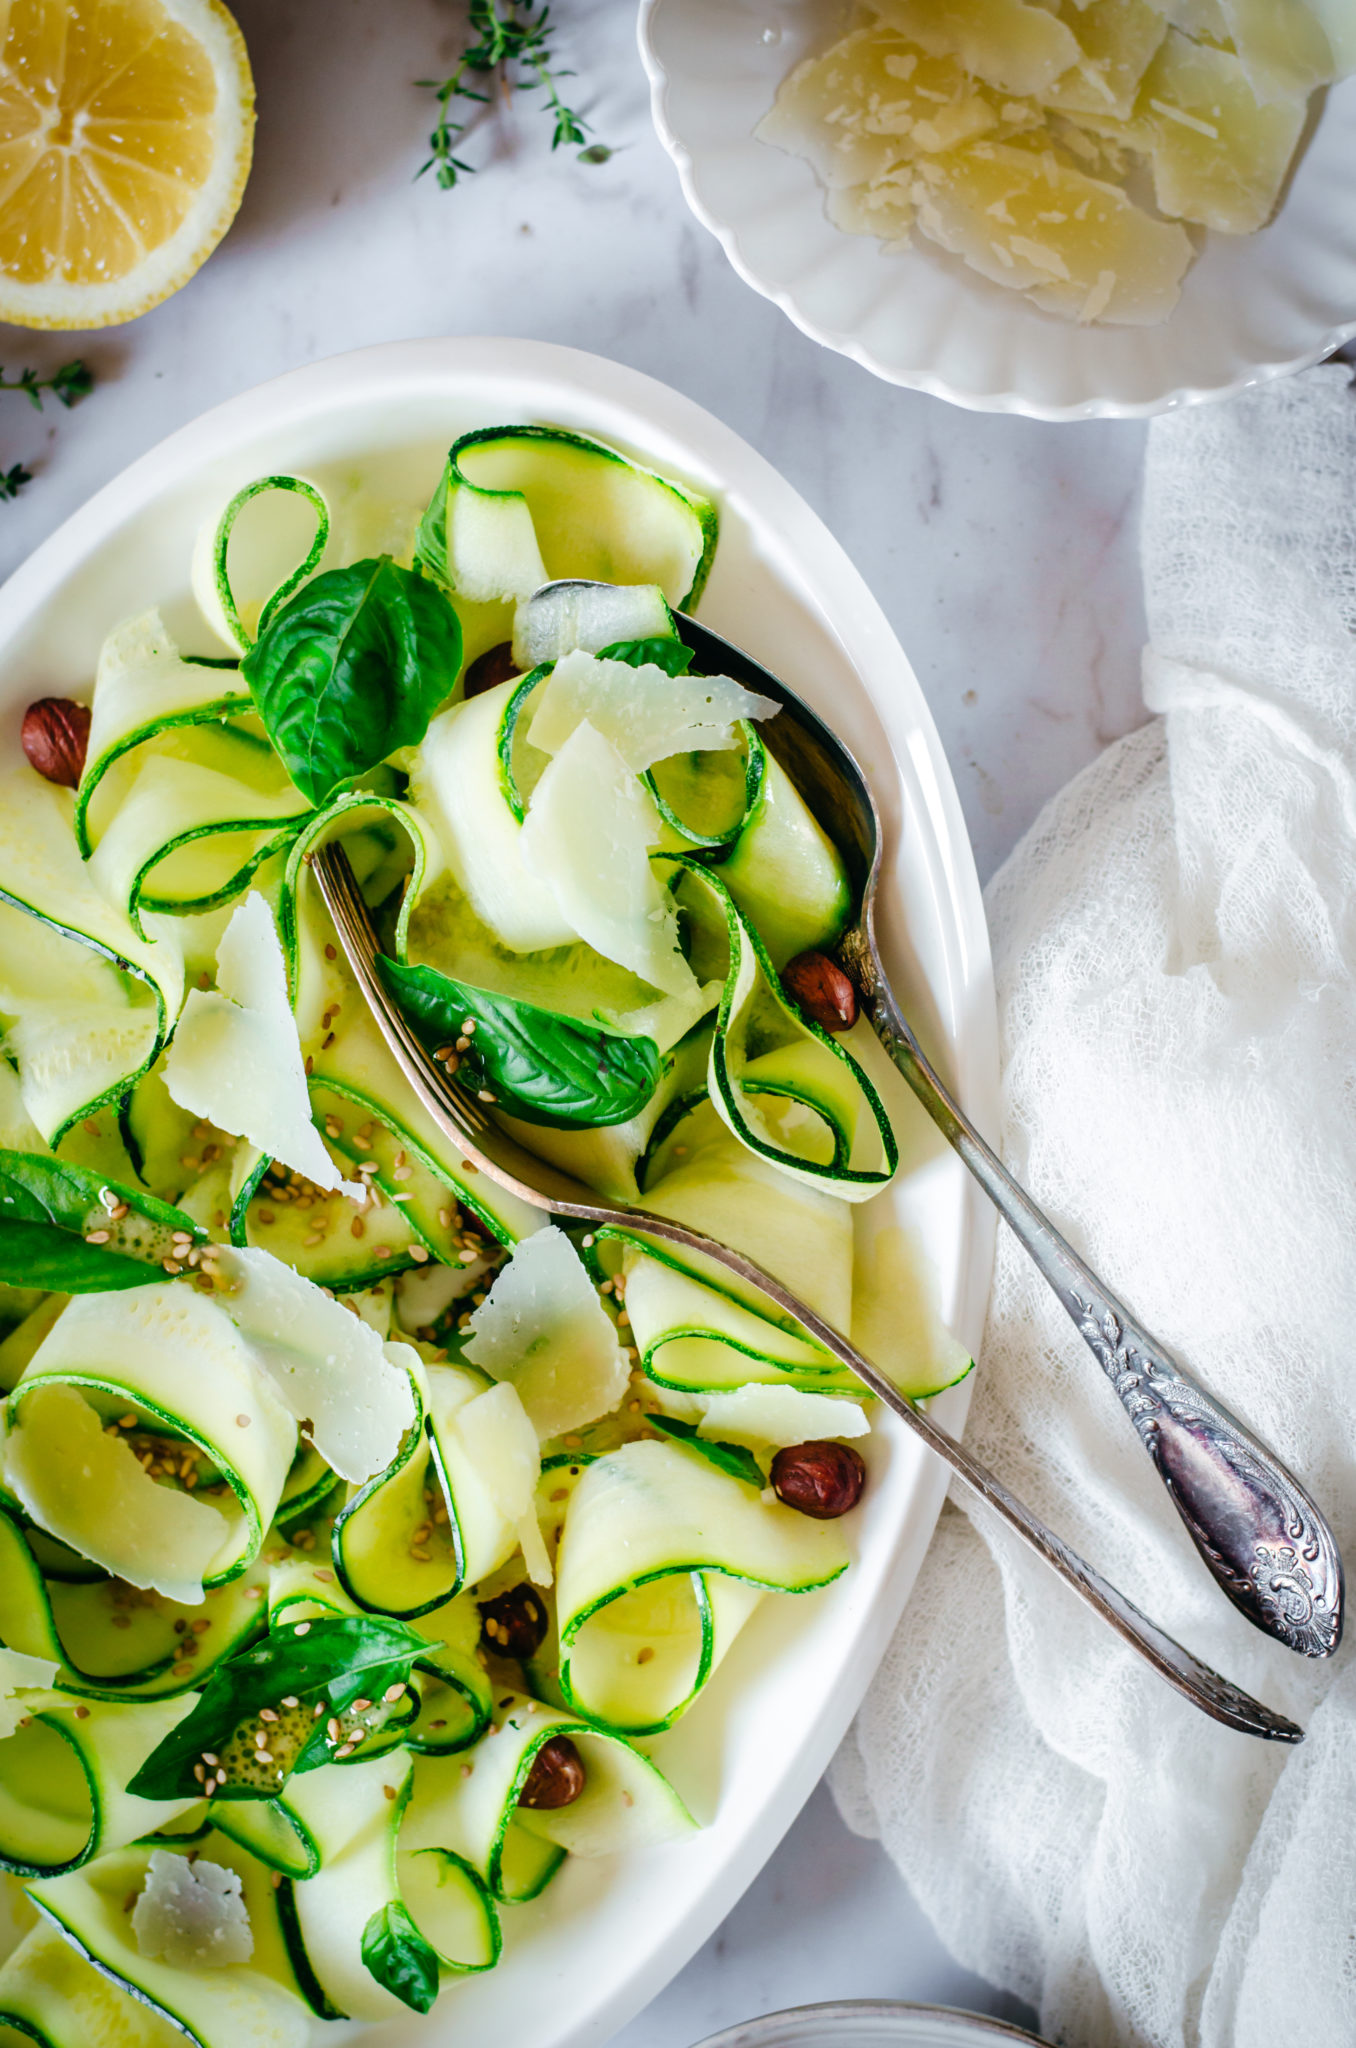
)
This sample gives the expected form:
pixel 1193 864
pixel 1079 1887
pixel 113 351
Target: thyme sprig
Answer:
pixel 514 42
pixel 72 382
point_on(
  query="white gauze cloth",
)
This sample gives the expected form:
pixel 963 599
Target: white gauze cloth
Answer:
pixel 1175 943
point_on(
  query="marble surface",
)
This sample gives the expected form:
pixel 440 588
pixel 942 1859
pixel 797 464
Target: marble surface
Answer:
pixel 1003 551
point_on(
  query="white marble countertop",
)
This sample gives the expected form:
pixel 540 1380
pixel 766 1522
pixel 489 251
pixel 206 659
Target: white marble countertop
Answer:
pixel 1002 550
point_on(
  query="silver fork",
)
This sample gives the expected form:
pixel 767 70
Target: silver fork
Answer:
pixel 488 1149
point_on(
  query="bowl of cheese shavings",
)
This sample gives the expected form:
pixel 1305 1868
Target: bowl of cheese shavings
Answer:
pixel 1074 209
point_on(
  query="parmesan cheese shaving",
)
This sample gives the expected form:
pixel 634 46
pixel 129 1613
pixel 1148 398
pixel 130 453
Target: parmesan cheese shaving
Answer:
pixel 756 1415
pixel 329 1368
pixel 587 838
pixel 646 713
pixel 236 1059
pixel 192 1915
pixel 543 1329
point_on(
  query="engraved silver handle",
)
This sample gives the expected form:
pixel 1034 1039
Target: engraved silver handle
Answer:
pixel 1261 1536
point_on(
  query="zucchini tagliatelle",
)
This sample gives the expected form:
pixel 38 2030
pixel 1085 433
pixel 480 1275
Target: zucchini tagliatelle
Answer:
pixel 359 1530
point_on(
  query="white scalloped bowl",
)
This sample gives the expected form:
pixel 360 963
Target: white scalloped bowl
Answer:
pixel 1252 306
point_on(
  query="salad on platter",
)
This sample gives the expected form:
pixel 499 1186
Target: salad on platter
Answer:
pixel 363 1531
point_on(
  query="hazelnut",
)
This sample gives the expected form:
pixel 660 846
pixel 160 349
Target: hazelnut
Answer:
pixel 54 738
pixel 513 1624
pixel 494 666
pixel 822 990
pixel 556 1777
pixel 819 1479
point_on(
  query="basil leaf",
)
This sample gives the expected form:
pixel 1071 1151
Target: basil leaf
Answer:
pixel 331 1663
pixel 397 1955
pixel 732 1458
pixel 46 1208
pixel 351 668
pixel 539 1065
pixel 667 653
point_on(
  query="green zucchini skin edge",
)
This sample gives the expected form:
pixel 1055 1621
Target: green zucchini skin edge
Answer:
pixel 46 1640
pixel 217 711
pixel 431 545
pixel 16 1866
pixel 311 1988
pixel 113 1095
pixel 177 1427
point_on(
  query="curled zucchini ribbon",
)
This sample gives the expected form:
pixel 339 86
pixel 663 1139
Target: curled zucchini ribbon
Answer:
pixel 219 1430
pixel 662 1559
pixel 62 1782
pixel 506 517
pixel 109 1639
pixel 787 1090
pixel 88 999
pixel 434 1521
pixel 514 1850
pixel 183 798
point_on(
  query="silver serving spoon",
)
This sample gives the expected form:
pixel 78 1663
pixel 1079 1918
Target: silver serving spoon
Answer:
pixel 486 1148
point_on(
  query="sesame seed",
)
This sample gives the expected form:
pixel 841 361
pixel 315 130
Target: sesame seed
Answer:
pixel 264 1756
pixel 330 953
pixel 208 1758
pixel 184 1670
pixel 383 1251
pixel 303 1628
pixel 467 1256
pixel 291 1700
pixel 268 1714
pixel 645 1656
pixel 332 1729
pixel 98 1236
pixel 346 1749
pixel 393 1693
pixel 389 1790
pixel 419 1254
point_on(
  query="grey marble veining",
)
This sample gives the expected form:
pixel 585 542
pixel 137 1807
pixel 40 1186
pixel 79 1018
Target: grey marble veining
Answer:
pixel 1002 550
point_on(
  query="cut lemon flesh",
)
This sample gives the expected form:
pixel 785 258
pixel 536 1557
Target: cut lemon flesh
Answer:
pixel 126 128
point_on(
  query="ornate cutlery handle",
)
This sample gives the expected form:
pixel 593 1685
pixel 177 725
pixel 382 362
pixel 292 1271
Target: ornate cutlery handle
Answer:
pixel 1257 1529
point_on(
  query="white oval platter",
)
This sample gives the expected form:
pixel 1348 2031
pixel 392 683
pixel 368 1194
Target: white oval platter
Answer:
pixel 606 1936
pixel 1252 306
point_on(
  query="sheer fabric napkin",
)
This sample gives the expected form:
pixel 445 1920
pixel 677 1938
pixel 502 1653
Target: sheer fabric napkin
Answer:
pixel 1175 943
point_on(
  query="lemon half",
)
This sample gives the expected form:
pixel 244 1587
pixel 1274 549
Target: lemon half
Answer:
pixel 126 130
